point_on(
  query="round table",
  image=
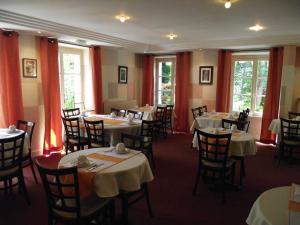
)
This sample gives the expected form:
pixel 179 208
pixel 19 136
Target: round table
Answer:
pixel 127 175
pixel 275 126
pixel 114 127
pixel 271 208
pixel 4 134
pixel 241 143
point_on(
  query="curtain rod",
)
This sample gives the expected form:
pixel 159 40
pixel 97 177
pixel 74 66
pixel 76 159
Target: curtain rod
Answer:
pixel 252 50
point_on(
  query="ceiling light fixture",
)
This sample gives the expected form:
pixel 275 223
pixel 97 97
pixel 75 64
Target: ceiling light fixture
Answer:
pixel 227 4
pixel 122 18
pixel 171 36
pixel 39 32
pixel 257 27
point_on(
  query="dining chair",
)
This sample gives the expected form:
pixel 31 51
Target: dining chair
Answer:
pixel 147 130
pixel 168 118
pixel 73 136
pixel 118 112
pixel 71 112
pixel 160 115
pixel 293 115
pixel 290 138
pixel 64 202
pixel 204 108
pixel 137 143
pixel 136 115
pixel 213 157
pixel 11 151
pixel 28 127
pixel 95 133
pixel 197 112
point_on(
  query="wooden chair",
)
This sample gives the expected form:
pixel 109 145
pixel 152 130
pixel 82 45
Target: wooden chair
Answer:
pixel 118 112
pixel 293 115
pixel 147 130
pixel 136 115
pixel 290 138
pixel 95 133
pixel 71 112
pixel 168 118
pixel 160 115
pixel 11 151
pixel 28 127
pixel 196 112
pixel 204 108
pixel 73 136
pixel 137 143
pixel 64 203
pixel 213 156
pixel 243 116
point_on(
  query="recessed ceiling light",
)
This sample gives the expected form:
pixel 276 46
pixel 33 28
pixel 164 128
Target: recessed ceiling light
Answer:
pixel 257 27
pixel 227 4
pixel 39 32
pixel 171 36
pixel 122 18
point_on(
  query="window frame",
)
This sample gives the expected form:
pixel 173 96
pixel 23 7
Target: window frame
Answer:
pixel 162 59
pixel 255 57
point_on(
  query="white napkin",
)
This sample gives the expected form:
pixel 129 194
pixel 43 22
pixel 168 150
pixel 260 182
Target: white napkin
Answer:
pixel 82 161
pixel 297 118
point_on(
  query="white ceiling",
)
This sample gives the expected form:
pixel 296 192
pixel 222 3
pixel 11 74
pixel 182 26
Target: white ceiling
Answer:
pixel 198 23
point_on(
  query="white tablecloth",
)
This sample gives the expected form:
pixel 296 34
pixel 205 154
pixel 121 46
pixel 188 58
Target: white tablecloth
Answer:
pixel 127 175
pixel 5 134
pixel 271 208
pixel 275 126
pixel 213 120
pixel 240 145
pixel 149 112
pixel 113 132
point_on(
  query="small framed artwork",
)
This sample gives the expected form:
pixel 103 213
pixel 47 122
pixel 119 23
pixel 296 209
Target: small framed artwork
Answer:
pixel 29 68
pixel 206 74
pixel 123 73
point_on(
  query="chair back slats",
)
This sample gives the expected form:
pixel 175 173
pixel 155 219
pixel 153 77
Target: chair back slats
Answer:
pixel 136 115
pixel 290 130
pixel 241 125
pixel 71 112
pixel 118 112
pixel 95 132
pixel 133 141
pixel 213 147
pixel 293 115
pixel 72 128
pixel 61 188
pixel 27 126
pixel 160 113
pixel 197 112
pixel 204 108
pixel 169 112
pixel 147 128
pixel 11 151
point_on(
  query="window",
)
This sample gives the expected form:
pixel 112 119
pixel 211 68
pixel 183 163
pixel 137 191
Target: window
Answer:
pixel 73 76
pixel 164 80
pixel 250 75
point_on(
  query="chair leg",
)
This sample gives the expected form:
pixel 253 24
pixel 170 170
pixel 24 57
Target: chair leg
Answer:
pixel 146 192
pixel 5 186
pixel 281 154
pixel 125 206
pixel 10 185
pixel 242 170
pixel 197 180
pixel 23 187
pixel 33 171
pixel 223 186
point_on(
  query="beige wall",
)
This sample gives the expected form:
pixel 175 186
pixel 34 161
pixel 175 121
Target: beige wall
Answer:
pixel 111 59
pixel 32 91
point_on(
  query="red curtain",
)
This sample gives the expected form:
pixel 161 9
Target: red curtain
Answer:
pixel 11 102
pixel 51 93
pixel 183 70
pixel 148 80
pixel 224 81
pixel 95 58
pixel 271 106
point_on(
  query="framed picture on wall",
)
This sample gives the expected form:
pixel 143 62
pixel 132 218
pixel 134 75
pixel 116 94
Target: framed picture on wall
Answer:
pixel 206 74
pixel 123 74
pixel 29 68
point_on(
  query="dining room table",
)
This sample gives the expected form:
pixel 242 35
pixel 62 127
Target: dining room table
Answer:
pixel 109 173
pixel 6 133
pixel 212 120
pixel 114 126
pixel 148 112
pixel 271 208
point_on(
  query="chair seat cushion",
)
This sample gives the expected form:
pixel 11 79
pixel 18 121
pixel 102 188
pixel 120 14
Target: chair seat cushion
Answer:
pixel 94 145
pixel 8 172
pixel 216 165
pixel 87 207
pixel 74 141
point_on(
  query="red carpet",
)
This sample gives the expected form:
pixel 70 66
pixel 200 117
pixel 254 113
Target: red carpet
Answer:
pixel 171 191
